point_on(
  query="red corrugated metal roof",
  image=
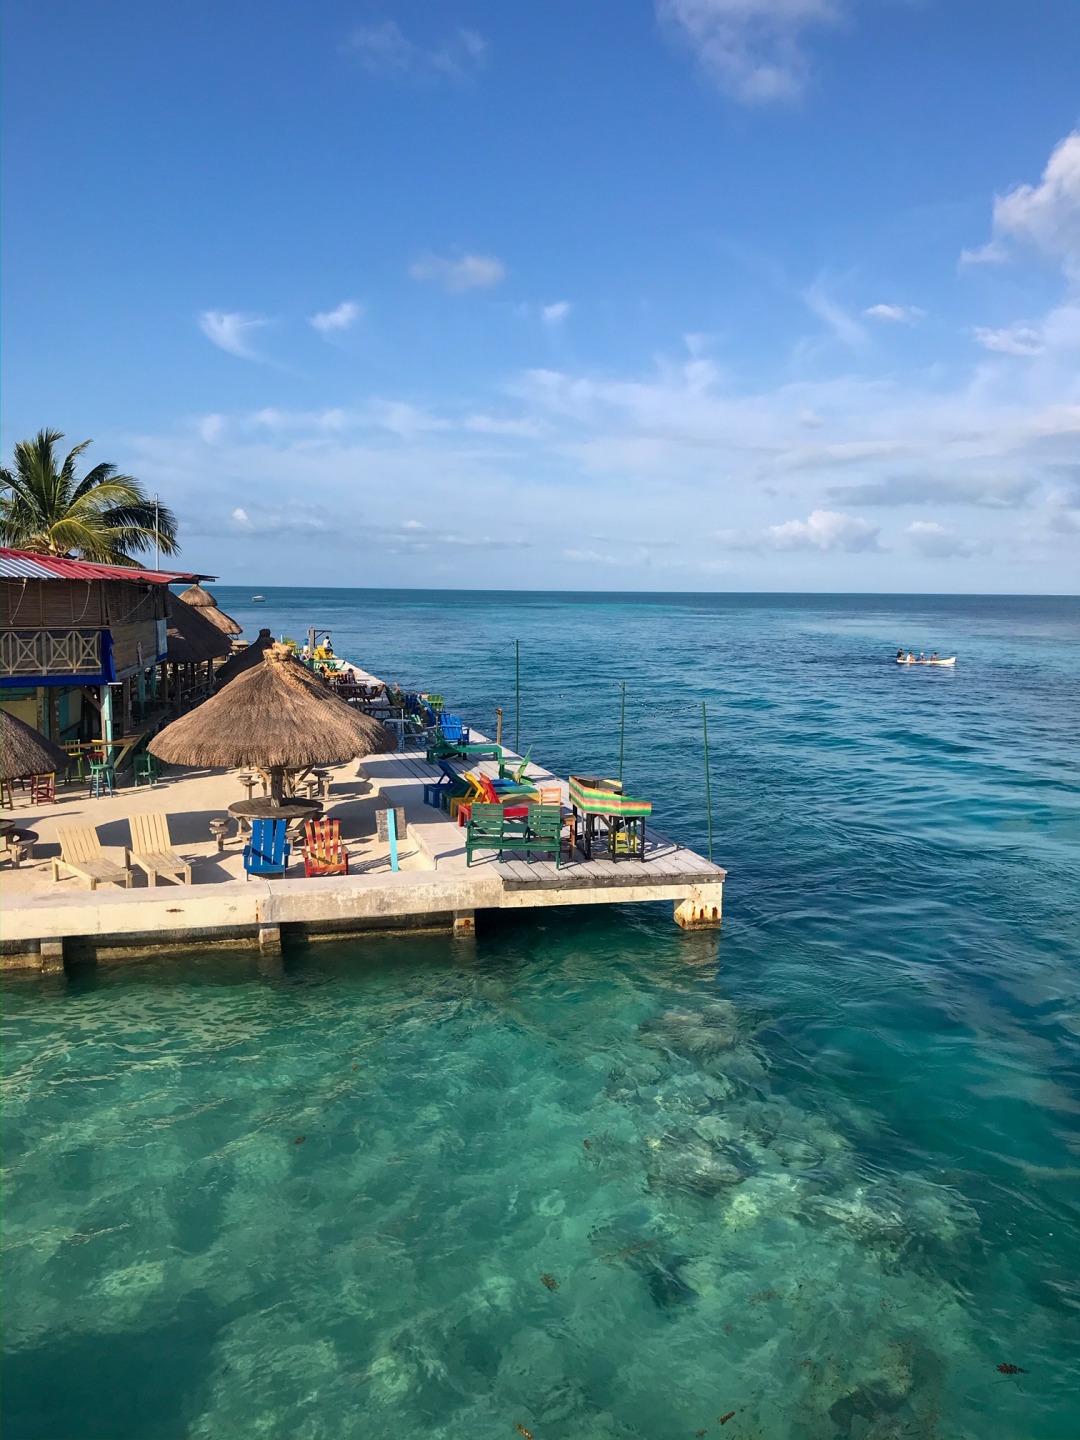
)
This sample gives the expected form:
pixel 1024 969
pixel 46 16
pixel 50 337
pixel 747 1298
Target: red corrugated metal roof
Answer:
pixel 26 565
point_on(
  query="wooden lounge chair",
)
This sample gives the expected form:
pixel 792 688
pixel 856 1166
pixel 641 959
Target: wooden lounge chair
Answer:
pixel 81 854
pixel 151 850
pixel 324 851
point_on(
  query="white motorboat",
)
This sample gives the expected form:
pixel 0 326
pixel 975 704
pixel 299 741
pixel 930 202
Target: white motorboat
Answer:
pixel 949 660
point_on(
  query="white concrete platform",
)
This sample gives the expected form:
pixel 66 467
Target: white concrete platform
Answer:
pixel 434 887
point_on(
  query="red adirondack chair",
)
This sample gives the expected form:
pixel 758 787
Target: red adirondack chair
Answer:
pixel 324 852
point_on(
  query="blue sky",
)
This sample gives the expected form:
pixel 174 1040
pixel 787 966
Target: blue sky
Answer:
pixel 696 294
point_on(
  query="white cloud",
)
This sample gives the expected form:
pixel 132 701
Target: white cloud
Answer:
pixel 895 314
pixel 1016 339
pixel 385 49
pixel 469 272
pixel 495 425
pixel 751 48
pixel 556 313
pixel 232 331
pixel 844 326
pixel 937 542
pixel 211 428
pixel 1045 217
pixel 403 419
pixel 340 318
pixel 823 530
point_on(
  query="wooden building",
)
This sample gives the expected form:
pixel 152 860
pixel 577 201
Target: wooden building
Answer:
pixel 81 644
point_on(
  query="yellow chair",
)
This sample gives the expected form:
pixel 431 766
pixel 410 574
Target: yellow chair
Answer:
pixel 475 792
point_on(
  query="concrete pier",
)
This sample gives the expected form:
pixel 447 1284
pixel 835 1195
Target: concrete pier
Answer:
pixel 42 921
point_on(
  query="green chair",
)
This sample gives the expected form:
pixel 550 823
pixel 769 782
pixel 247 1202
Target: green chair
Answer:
pixel 147 770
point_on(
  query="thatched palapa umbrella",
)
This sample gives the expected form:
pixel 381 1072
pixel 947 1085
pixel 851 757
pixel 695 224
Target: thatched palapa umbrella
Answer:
pixel 207 606
pixel 276 716
pixel 245 659
pixel 25 751
pixel 191 637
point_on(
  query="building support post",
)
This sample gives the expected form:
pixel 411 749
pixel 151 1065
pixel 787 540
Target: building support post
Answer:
pixel 106 713
pixel 702 909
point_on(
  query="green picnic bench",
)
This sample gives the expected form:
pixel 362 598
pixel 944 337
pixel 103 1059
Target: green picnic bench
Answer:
pixel 537 832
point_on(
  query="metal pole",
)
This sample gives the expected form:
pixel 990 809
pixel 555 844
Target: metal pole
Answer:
pixel 517 697
pixel 708 786
pixel 498 726
pixel 622 730
pixel 157 532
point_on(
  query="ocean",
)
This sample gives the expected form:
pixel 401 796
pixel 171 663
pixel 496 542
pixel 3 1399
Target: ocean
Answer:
pixel 815 1177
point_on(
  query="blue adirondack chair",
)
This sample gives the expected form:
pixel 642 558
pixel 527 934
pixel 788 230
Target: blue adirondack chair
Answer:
pixel 452 730
pixel 449 782
pixel 267 852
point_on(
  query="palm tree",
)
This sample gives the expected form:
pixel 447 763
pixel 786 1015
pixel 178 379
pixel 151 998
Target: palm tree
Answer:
pixel 104 517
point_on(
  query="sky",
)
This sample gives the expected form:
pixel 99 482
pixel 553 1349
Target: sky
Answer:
pixel 560 294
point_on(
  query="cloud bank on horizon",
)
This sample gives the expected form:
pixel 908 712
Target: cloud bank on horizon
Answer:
pixel 759 383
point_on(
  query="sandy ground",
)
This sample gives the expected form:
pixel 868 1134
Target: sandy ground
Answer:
pixel 191 799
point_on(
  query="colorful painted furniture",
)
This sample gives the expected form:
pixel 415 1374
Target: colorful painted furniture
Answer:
pixel 324 850
pixel 600 807
pixel 268 850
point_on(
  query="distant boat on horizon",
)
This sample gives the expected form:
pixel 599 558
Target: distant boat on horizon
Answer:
pixel 257 599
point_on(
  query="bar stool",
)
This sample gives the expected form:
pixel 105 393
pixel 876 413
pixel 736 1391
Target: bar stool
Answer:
pixel 102 778
pixel 75 761
pixel 249 782
pixel 7 795
pixel 43 789
pixel 219 829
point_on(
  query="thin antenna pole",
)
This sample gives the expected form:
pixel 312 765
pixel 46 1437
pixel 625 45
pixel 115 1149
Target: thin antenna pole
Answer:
pixel 157 533
pixel 708 785
pixel 517 697
pixel 622 730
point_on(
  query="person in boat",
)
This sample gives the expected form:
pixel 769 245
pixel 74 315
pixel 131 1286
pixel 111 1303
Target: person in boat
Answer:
pixel 933 655
pixel 899 656
pixel 922 657
pixel 910 658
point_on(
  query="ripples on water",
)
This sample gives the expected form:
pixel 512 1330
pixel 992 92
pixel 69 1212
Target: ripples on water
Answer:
pixel 595 1177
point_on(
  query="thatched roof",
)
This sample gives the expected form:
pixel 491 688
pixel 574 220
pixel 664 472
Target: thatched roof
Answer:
pixel 192 638
pixel 274 714
pixel 245 659
pixel 25 751
pixel 202 600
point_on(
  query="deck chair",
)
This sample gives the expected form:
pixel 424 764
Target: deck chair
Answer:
pixel 324 850
pixel 151 850
pixel 81 854
pixel 474 792
pixel 268 851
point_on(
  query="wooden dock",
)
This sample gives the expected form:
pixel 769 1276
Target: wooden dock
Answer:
pixel 439 889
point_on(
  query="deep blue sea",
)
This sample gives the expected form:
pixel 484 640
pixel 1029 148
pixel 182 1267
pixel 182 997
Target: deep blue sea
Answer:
pixel 816 1177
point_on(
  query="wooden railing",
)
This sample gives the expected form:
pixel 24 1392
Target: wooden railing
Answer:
pixel 50 652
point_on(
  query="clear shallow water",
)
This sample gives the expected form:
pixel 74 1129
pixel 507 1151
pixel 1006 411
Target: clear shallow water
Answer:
pixel 832 1178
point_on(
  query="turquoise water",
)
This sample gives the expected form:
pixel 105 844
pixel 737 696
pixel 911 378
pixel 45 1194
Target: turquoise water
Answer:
pixel 592 1176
